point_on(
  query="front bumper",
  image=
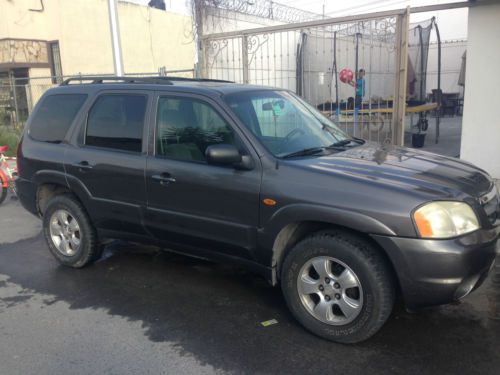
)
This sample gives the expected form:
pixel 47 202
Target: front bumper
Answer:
pixel 436 272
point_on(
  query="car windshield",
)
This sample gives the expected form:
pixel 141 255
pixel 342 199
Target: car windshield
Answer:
pixel 285 124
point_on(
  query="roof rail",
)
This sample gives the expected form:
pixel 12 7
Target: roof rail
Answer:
pixel 165 80
pixel 174 78
pixel 101 79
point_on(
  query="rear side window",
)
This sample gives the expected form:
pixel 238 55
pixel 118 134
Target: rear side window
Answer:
pixel 117 121
pixel 54 117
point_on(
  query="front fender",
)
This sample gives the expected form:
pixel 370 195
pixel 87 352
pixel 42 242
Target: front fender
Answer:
pixel 310 212
pixel 303 212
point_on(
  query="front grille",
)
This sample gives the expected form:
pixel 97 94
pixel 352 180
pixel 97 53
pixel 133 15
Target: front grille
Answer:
pixel 491 204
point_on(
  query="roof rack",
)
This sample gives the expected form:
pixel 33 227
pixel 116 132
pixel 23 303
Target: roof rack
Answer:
pixel 102 79
pixel 165 80
pixel 174 78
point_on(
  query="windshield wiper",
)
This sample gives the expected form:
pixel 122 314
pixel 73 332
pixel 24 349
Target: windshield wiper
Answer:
pixel 341 143
pixel 345 142
pixel 304 152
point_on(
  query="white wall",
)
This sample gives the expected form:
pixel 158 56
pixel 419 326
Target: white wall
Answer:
pixel 451 62
pixel 481 121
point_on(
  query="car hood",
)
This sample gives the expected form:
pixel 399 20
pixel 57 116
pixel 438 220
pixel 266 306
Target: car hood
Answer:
pixel 410 169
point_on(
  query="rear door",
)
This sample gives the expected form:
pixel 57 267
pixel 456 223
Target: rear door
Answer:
pixel 108 162
pixel 192 203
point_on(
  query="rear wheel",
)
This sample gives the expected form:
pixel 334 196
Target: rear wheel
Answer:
pixel 71 238
pixel 338 286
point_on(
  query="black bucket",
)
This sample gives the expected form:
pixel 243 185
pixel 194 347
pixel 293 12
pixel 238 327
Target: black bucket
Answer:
pixel 418 140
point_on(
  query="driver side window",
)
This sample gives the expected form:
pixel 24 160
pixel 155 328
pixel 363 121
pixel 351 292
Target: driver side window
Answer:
pixel 186 127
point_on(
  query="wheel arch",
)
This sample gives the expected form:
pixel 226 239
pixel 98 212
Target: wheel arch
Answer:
pixel 50 184
pixel 289 222
pixel 293 232
pixel 45 192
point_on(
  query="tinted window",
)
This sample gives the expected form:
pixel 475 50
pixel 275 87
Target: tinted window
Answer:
pixel 186 127
pixel 54 117
pixel 116 121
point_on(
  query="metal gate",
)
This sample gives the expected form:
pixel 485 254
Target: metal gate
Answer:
pixel 308 58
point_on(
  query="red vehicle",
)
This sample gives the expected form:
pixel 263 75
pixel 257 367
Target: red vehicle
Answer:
pixel 7 174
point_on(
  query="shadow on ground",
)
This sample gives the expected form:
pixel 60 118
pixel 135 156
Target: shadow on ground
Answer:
pixel 213 312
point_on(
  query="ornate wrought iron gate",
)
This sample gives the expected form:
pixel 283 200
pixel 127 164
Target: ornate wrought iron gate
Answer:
pixel 307 58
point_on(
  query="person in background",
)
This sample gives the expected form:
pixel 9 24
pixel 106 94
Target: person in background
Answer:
pixel 359 85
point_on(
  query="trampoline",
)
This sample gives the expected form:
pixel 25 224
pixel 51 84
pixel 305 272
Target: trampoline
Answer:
pixel 418 53
pixel 372 119
pixel 373 115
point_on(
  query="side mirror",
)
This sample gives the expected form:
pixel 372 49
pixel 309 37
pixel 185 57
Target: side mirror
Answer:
pixel 223 154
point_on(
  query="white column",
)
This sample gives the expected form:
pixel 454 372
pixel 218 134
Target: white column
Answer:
pixel 481 119
pixel 115 37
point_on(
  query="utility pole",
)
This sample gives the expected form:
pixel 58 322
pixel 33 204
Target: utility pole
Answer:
pixel 115 37
pixel 199 66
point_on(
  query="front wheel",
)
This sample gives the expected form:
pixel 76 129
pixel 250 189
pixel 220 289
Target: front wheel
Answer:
pixel 338 286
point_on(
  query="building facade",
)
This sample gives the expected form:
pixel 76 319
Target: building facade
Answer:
pixel 57 38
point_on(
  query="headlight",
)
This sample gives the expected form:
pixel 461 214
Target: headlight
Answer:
pixel 445 219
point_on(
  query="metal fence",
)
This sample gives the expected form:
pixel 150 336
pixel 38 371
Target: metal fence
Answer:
pixel 18 96
pixel 308 58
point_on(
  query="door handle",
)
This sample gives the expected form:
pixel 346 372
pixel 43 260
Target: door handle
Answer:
pixel 164 178
pixel 82 166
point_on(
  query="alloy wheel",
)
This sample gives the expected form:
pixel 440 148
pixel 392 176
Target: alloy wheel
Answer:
pixel 65 232
pixel 330 290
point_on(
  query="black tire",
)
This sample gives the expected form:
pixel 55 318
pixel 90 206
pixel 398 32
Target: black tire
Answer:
pixel 3 192
pixel 366 262
pixel 89 249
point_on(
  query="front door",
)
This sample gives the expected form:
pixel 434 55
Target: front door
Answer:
pixel 108 163
pixel 190 202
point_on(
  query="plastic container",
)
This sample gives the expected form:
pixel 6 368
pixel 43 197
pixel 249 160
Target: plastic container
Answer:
pixel 418 140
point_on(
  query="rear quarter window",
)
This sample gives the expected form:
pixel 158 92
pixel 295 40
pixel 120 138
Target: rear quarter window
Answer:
pixel 54 117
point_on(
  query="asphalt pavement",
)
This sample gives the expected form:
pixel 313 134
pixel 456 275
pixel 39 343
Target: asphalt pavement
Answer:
pixel 143 310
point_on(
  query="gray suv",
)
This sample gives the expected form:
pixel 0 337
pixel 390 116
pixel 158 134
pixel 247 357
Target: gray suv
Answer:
pixel 257 177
